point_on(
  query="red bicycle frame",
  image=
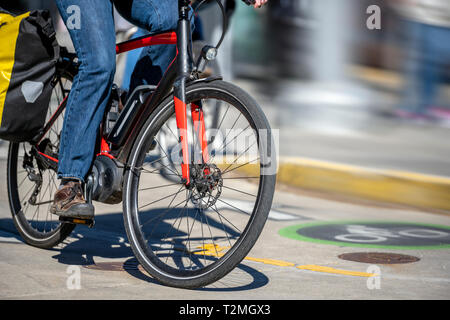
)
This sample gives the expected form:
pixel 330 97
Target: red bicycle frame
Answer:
pixel 176 77
pixel 148 40
pixel 181 69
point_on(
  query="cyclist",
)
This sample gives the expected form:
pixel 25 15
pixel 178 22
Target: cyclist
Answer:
pixel 91 28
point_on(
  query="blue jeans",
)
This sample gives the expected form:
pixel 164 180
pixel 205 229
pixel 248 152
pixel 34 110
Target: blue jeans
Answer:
pixel 427 56
pixel 131 60
pixel 91 28
pixel 133 56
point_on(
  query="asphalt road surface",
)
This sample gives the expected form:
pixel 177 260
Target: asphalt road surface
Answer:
pixel 296 256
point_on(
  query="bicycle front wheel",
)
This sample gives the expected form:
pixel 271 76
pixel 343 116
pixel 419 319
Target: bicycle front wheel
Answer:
pixel 191 236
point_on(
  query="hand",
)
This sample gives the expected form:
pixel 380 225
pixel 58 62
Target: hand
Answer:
pixel 259 3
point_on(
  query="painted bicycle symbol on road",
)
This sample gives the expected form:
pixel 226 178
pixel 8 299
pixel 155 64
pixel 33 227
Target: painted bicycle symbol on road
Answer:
pixel 366 234
pixel 372 234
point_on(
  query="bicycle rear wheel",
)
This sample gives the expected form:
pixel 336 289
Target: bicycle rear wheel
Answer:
pixel 191 236
pixel 31 183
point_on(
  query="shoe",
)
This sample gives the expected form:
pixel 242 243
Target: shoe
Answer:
pixel 69 202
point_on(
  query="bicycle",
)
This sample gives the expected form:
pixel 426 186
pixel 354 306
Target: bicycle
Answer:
pixel 188 233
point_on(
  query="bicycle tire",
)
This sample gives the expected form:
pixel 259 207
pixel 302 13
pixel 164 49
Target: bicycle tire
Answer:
pixel 221 264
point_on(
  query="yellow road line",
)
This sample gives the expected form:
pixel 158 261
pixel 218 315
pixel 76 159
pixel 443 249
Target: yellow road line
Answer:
pixel 213 250
pixel 273 262
pixel 313 267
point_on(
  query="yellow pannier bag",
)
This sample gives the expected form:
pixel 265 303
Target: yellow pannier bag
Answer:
pixel 28 55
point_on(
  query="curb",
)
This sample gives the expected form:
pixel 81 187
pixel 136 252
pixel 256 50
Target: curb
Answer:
pixel 399 187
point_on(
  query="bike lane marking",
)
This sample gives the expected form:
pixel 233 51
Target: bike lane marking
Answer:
pixel 365 234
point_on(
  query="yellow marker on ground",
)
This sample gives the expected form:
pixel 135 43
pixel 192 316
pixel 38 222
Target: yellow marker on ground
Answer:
pixel 313 267
pixel 279 263
pixel 215 250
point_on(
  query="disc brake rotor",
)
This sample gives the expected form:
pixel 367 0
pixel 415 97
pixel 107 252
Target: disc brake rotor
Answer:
pixel 206 185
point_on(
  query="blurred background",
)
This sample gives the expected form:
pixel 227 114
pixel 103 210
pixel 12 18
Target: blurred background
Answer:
pixel 360 82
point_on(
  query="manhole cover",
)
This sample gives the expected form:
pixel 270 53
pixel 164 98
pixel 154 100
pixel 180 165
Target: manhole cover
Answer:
pixel 115 266
pixel 378 257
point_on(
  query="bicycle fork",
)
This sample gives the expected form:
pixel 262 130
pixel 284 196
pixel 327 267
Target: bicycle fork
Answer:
pixel 184 71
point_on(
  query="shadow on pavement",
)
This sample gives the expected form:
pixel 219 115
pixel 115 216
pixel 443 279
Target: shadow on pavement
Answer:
pixel 240 279
pixel 108 240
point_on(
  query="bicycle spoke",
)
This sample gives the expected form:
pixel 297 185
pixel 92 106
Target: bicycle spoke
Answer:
pixel 237 190
pixel 235 137
pixel 221 121
pixel 240 210
pixel 240 166
pixel 212 239
pixel 178 216
pixel 225 170
pixel 156 170
pixel 167 126
pixel 164 212
pixel 154 161
pixel 223 146
pixel 23 180
pixel 223 227
pixel 243 177
pixel 157 187
pixel 159 199
pixel 189 235
pixel 220 215
pixel 28 192
pixel 166 155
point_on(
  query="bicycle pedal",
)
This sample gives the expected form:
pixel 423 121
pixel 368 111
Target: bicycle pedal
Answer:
pixel 88 222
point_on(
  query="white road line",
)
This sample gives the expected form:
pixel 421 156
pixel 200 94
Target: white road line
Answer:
pixel 247 207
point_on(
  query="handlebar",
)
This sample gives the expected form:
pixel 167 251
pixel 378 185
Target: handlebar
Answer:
pixel 249 2
pixel 224 18
pixel 226 14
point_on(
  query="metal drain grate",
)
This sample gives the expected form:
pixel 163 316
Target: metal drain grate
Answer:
pixel 378 257
pixel 115 266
